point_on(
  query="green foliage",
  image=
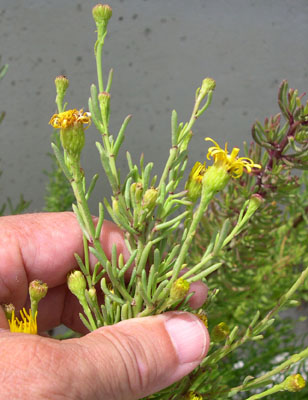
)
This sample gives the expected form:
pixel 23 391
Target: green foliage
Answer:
pixel 245 237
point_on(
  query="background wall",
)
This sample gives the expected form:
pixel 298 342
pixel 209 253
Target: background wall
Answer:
pixel 160 51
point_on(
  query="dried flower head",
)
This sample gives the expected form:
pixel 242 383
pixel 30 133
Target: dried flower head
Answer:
pixel 70 119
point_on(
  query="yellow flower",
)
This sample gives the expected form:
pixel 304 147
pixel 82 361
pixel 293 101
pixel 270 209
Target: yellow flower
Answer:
pixel 27 324
pixel 71 124
pixel 294 383
pixel 234 166
pixel 194 182
pixel 193 396
pixel 69 119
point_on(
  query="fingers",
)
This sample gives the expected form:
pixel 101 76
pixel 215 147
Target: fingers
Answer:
pixel 126 361
pixel 42 246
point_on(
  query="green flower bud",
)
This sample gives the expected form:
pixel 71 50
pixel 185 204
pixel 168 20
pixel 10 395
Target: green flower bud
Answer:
pixel 136 191
pixel 207 85
pixel 37 290
pixel 101 13
pixel 77 284
pixel 179 290
pixel 149 198
pixel 294 383
pixel 220 332
pixel 92 294
pixel 104 102
pixel 254 203
pixel 61 83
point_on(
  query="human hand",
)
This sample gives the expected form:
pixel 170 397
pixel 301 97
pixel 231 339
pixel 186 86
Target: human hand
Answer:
pixel 129 360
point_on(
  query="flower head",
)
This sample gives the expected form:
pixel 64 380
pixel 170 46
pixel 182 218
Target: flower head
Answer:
pixel 27 324
pixel 70 119
pixel 235 166
pixel 194 182
pixel 71 124
pixel 294 383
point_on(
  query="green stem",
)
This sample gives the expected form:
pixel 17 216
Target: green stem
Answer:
pixel 101 32
pixel 206 197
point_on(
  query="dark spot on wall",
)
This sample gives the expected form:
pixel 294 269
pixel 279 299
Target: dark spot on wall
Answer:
pixel 130 64
pixel 38 92
pixel 244 113
pixel 224 101
pixel 13 83
pixel 79 7
pixel 163 20
pixel 167 98
pixel 151 127
pixel 25 123
pixel 120 18
pixel 183 38
pixel 135 16
pixel 78 59
pixel 274 83
pixel 53 60
pixel 147 31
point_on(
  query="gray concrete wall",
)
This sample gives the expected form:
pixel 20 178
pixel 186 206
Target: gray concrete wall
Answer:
pixel 160 50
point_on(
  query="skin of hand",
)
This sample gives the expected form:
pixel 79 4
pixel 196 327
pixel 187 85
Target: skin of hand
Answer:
pixel 128 361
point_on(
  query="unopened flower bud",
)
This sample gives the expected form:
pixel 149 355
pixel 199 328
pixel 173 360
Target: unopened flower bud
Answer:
pixel 101 13
pixel 104 102
pixel 92 294
pixel 61 83
pixel 8 310
pixel 254 203
pixel 37 290
pixel 77 284
pixel 136 191
pixel 207 85
pixel 149 198
pixel 220 332
pixel 179 289
pixel 294 383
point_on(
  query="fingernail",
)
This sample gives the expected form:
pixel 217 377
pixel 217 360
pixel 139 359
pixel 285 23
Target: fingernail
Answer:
pixel 188 335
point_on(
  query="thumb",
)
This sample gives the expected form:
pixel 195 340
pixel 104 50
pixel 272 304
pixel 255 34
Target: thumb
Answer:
pixel 140 356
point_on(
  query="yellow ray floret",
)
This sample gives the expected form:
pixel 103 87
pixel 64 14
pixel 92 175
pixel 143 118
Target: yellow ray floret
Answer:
pixel 27 324
pixel 234 165
pixel 70 118
pixel 197 172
